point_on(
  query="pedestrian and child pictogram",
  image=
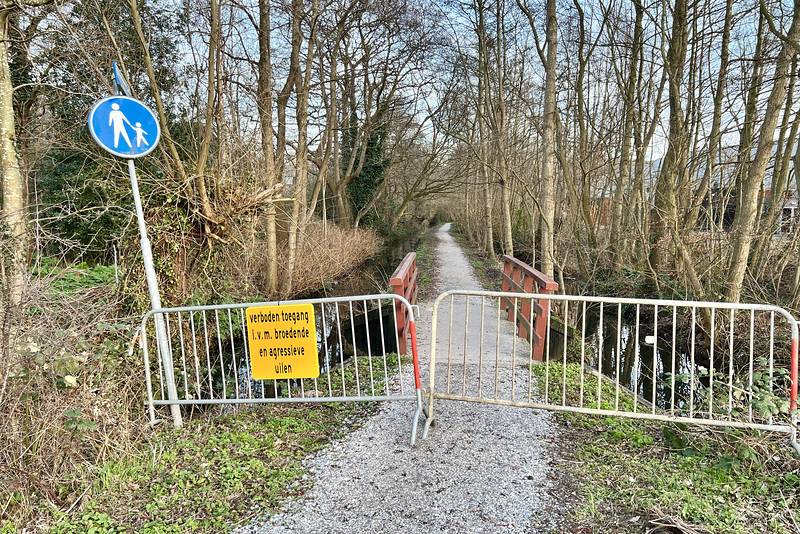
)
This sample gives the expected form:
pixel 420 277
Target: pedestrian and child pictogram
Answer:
pixel 115 120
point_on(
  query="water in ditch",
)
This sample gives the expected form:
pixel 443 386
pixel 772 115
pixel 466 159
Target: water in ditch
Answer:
pixel 643 356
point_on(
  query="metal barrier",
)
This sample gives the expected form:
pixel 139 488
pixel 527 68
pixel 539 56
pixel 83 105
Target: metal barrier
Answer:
pixel 718 364
pixel 356 343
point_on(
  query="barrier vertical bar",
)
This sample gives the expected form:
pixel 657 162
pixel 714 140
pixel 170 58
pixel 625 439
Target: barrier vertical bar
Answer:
pixel 507 268
pixel 793 405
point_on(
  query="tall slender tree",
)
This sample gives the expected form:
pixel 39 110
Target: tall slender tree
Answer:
pixel 746 216
pixel 14 179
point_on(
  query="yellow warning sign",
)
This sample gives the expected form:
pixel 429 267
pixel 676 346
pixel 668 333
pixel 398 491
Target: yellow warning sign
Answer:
pixel 283 341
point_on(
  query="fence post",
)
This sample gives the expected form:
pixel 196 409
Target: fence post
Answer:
pixel 540 328
pixel 507 267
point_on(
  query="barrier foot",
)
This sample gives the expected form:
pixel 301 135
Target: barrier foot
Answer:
pixel 428 425
pixel 415 418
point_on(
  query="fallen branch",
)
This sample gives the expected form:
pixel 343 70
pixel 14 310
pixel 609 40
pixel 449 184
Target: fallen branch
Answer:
pixel 36 482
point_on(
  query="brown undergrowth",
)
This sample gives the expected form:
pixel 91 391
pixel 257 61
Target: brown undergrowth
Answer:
pixel 325 252
pixel 69 398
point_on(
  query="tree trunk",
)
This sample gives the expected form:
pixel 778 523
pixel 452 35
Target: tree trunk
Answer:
pixel 618 244
pixel 15 205
pixel 499 124
pixel 301 161
pixel 664 210
pixel 586 156
pixel 780 176
pixel 548 140
pixel 264 101
pixel 746 219
pixel 747 132
pixel 483 157
pixel 716 122
pixel 487 210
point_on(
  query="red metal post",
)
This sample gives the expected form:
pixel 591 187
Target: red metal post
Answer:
pixel 793 400
pixel 413 330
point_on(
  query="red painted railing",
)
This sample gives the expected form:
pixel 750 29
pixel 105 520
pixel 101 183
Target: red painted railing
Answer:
pixel 404 283
pixel 519 277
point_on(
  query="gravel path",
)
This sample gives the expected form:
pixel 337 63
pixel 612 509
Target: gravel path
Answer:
pixel 483 468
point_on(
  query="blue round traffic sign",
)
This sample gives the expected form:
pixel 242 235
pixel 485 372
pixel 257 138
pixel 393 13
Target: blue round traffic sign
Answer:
pixel 124 126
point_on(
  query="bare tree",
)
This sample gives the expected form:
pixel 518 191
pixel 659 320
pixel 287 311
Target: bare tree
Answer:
pixel 627 84
pixel 548 55
pixel 746 217
pixel 14 180
pixel 264 103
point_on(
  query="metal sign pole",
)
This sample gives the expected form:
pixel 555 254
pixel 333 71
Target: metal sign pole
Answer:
pixel 127 128
pixel 162 341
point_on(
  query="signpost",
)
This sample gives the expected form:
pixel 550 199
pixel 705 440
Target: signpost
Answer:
pixel 121 86
pixel 127 128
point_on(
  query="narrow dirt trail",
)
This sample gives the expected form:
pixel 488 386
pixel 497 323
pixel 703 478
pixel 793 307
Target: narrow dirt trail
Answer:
pixel 482 468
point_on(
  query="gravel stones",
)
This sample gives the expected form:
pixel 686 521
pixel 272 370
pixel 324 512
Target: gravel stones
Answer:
pixel 483 468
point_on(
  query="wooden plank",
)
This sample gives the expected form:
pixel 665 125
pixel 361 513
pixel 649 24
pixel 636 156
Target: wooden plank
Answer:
pixel 544 282
pixel 513 287
pixel 402 272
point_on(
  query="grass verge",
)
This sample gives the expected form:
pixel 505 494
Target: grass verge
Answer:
pixel 636 476
pixel 76 454
pixel 218 471
pixel 214 473
pixel 426 261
